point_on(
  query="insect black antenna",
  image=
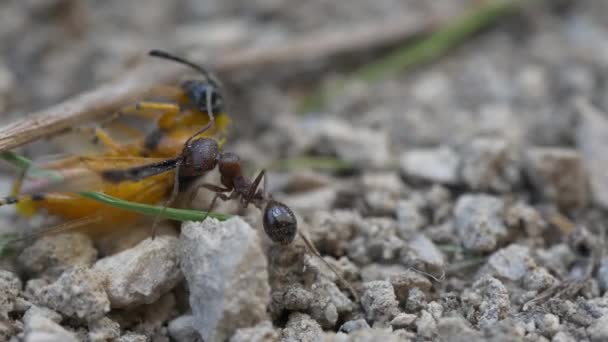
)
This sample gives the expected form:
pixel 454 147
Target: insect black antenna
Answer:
pixel 168 56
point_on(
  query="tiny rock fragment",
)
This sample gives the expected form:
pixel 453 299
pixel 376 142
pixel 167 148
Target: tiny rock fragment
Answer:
pixel 103 329
pixel 300 327
pixel 382 191
pixel 437 165
pixel 78 293
pixel 331 230
pixel 10 286
pixel 548 325
pixel 422 254
pixel 52 254
pixel 403 282
pixel 296 298
pixel 359 145
pixel 592 142
pixel 457 329
pixel 512 263
pixel 558 175
pixel 598 331
pixel 379 301
pixel 226 271
pixel 132 337
pixel 42 329
pixel 490 165
pixel 495 303
pixel 523 216
pixel 403 320
pixel 602 274
pixel 479 222
pixel 181 329
pixel 416 300
pixel 410 218
pixel 563 337
pixel 263 332
pixel 538 279
pixel 354 325
pixel 328 303
pixel 140 275
pixel 426 325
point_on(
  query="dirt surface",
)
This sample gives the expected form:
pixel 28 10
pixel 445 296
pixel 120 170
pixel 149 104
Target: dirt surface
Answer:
pixel 472 207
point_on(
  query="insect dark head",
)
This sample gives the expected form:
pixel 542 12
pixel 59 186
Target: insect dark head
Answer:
pixel 280 223
pixel 199 92
pixel 199 156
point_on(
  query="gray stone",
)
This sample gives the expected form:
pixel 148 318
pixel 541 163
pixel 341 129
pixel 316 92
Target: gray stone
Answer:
pixel 410 218
pixel 42 329
pixel 548 325
pixel 598 331
pixel 132 337
pixel 422 254
pixel 78 293
pixel 379 301
pixel 181 329
pixel 360 145
pixel 262 332
pixel 457 329
pixel 490 165
pixel 539 279
pixel 437 165
pixel 328 303
pixel 602 274
pixel 426 326
pixel 51 255
pixel 354 325
pixel 416 300
pixel 523 216
pixel 563 337
pixel 140 275
pixel 226 271
pixel 592 142
pixel 404 320
pixel 10 286
pixel 495 304
pixel 479 222
pixel 296 298
pixel 103 329
pixel 558 175
pixel 42 311
pixel 300 327
pixel 512 263
pixel 331 230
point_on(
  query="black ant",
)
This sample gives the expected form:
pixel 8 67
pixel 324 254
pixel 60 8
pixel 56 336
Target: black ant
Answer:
pixel 202 155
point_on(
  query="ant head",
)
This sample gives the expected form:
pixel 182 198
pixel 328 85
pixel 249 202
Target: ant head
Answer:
pixel 199 156
pixel 205 94
pixel 280 223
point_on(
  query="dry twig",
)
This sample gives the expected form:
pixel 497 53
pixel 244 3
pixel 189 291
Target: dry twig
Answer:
pixel 110 97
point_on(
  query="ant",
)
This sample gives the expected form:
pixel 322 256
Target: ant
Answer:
pixel 202 155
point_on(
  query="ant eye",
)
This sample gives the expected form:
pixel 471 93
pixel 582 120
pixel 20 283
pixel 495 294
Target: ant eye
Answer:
pixel 280 223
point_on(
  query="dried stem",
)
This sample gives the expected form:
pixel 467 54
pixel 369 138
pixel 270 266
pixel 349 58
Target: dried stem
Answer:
pixel 110 97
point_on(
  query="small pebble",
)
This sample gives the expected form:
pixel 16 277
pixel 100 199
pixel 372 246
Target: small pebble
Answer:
pixel 354 325
pixel 300 327
pixel 42 329
pixel 479 222
pixel 422 254
pixel 52 254
pixel 426 325
pixel 140 275
pixel 403 320
pixel 78 293
pixel 181 329
pixel 559 175
pixel 438 165
pixel 598 331
pixel 103 329
pixel 227 275
pixel 512 263
pixel 416 300
pixel 10 286
pixel 379 301
pixel 262 332
pixel 490 165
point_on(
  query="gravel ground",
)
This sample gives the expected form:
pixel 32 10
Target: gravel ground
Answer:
pixel 475 210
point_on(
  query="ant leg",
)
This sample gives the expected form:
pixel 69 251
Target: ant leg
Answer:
pixel 253 188
pixel 208 186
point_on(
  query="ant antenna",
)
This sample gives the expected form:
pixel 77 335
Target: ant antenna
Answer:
pixel 168 56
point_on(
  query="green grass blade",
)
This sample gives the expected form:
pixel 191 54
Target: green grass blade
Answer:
pixel 419 52
pixel 145 209
pixel 152 210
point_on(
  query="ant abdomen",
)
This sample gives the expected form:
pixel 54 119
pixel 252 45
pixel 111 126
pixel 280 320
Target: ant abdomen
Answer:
pixel 280 223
